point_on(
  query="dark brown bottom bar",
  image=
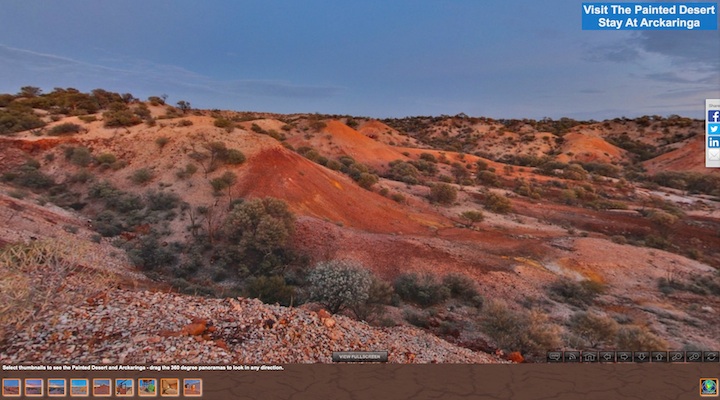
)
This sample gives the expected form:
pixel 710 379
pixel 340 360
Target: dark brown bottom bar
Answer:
pixel 524 381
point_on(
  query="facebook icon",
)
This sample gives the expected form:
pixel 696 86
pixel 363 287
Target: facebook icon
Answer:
pixel 714 116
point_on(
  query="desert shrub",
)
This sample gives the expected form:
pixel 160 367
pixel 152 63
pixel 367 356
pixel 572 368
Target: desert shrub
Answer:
pixel 575 172
pixel 404 172
pixel 662 218
pixel 120 115
pixel 262 225
pixel 148 254
pixel 162 141
pixel 487 178
pixel 156 101
pixel 223 182
pixel 184 122
pixel 18 118
pixel 29 176
pixel 639 338
pixel 423 290
pixel 428 157
pixel 594 328
pixel 460 173
pixel 497 203
pixel 339 284
pixel 443 193
pixel 481 165
pixel 379 295
pixel 398 198
pixel 367 180
pixel 225 124
pixel 108 224
pixel 472 217
pixel 579 294
pixel 82 176
pixel 106 159
pixel 67 128
pixel 79 156
pixel 527 332
pixel 463 288
pixel 421 319
pixel 141 176
pixel 234 157
pixel 270 289
pixel 161 201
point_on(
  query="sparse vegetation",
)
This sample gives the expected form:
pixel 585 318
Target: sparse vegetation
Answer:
pixel 443 193
pixel 339 284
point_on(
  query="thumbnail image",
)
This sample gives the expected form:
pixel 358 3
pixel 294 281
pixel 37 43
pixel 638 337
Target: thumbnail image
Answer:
pixel 57 387
pixel 79 387
pixel 192 387
pixel 101 387
pixel 11 387
pixel 124 387
pixel 169 387
pixel 33 387
pixel 147 387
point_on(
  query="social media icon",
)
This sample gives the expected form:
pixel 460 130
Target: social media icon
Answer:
pixel 713 142
pixel 714 129
pixel 713 154
pixel 713 115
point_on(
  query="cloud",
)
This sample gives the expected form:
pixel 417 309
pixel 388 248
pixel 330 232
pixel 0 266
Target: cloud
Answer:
pixel 620 53
pixel 21 67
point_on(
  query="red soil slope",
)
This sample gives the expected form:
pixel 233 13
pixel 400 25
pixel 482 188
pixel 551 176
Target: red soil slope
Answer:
pixel 315 191
pixel 690 158
pixel 589 148
pixel 359 146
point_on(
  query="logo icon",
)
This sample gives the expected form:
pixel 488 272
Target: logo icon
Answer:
pixel 714 129
pixel 713 115
pixel 713 142
pixel 708 387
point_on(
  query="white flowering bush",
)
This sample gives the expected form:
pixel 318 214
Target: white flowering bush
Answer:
pixel 339 284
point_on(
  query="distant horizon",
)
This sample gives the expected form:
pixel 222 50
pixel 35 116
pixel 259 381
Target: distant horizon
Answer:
pixel 380 59
pixel 171 103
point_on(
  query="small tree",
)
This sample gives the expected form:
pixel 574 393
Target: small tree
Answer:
pixel 184 106
pixel 262 225
pixel 339 284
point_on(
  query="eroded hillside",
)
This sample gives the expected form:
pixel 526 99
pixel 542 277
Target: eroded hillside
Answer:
pixel 521 236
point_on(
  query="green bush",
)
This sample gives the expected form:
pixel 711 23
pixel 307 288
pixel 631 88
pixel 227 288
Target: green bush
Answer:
pixel 141 176
pixel 579 294
pixel 422 290
pixel 162 141
pixel 18 118
pixel 161 201
pixel 463 288
pixel 234 157
pixel 225 124
pixel 488 178
pixel 106 159
pixel 339 284
pixel 443 193
pixel 271 289
pixel 79 156
pixel 497 203
pixel 67 128
pixel 472 217
pixel 404 172
pixel 264 225
pixel 29 176
pixel 120 115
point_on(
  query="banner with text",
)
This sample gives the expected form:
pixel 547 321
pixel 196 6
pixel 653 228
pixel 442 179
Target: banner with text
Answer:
pixel 650 16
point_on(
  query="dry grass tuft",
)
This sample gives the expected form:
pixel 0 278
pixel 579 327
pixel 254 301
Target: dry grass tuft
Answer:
pixel 43 276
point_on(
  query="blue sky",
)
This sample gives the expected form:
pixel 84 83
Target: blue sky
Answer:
pixel 495 58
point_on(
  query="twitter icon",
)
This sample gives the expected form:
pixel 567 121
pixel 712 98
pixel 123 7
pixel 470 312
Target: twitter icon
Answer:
pixel 713 129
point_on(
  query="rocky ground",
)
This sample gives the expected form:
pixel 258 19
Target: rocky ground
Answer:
pixel 123 326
